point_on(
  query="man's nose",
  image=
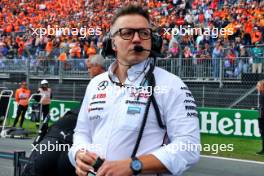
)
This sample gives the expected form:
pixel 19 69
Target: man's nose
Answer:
pixel 136 38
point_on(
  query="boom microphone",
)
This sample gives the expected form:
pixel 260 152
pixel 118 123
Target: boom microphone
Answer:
pixel 139 48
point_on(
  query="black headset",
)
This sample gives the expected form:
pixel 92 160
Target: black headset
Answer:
pixel 156 45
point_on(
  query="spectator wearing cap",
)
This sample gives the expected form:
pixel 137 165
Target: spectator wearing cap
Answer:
pixel 45 100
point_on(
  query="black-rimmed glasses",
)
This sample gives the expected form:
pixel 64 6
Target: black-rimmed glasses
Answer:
pixel 129 33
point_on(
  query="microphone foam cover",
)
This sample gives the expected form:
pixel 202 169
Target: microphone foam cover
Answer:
pixel 138 48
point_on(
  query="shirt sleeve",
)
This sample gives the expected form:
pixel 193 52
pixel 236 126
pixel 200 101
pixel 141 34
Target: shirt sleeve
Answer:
pixel 182 126
pixel 82 135
pixel 17 95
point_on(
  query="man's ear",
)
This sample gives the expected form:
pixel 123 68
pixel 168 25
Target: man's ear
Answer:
pixel 113 44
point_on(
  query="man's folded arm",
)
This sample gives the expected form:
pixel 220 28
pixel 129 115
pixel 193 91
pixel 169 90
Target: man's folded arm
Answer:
pixel 82 135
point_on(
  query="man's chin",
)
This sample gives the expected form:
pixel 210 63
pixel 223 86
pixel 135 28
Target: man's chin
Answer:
pixel 136 61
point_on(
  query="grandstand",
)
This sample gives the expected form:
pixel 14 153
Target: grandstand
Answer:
pixel 210 64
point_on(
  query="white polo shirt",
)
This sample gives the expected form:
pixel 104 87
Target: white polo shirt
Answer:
pixel 110 118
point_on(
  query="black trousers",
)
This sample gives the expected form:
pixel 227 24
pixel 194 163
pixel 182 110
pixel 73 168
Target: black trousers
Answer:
pixel 3 104
pixel 21 110
pixel 54 161
pixel 49 162
pixel 45 110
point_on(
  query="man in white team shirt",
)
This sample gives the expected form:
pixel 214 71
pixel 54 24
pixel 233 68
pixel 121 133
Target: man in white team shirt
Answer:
pixel 46 93
pixel 109 121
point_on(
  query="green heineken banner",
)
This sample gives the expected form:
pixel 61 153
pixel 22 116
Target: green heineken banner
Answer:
pixel 57 109
pixel 229 122
pixel 215 121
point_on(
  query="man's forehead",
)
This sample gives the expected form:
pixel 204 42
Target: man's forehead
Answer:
pixel 132 21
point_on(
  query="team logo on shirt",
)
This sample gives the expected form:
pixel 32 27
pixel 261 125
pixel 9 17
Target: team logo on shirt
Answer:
pixel 95 117
pixel 140 95
pixel 102 85
pixel 97 102
pixel 133 110
pixel 95 109
pixel 189 102
pixel 99 96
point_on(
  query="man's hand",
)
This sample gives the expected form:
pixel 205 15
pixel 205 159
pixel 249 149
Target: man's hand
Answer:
pixel 84 161
pixel 115 168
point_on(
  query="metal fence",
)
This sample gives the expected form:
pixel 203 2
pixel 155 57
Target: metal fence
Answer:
pixel 207 69
pixel 186 68
pixel 230 95
pixel 223 72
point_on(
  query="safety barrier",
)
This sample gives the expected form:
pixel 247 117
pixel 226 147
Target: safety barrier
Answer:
pixel 186 68
pixel 19 160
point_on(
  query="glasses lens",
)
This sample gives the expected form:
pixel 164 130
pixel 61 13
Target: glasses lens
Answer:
pixel 127 34
pixel 145 34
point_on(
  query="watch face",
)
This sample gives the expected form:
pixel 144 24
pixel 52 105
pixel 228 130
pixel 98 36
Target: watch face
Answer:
pixel 136 165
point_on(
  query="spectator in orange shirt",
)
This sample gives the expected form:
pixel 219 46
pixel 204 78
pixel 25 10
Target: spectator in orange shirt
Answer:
pixel 91 51
pixel 76 51
pixel 248 26
pixel 22 98
pixel 256 35
pixel 49 47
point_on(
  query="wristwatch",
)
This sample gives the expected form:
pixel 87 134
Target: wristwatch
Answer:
pixel 136 165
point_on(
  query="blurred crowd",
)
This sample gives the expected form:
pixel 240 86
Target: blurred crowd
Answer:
pixel 244 19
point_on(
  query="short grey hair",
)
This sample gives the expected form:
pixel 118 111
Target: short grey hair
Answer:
pixel 97 59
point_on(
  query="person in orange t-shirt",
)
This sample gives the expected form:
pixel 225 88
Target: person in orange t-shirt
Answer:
pixel 22 98
pixel 49 46
pixel 8 29
pixel 256 35
pixel 91 51
pixel 76 51
pixel 248 26
pixel 21 46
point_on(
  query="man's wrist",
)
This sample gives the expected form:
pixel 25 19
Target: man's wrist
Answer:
pixel 136 166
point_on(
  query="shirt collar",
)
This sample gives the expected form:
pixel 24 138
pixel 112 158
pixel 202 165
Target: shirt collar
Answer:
pixel 133 72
